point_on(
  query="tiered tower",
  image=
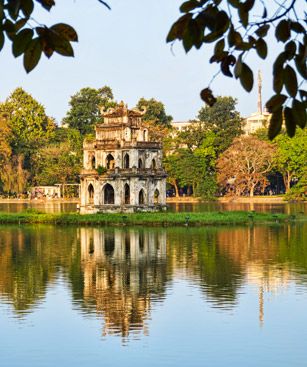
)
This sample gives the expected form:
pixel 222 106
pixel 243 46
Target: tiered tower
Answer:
pixel 122 169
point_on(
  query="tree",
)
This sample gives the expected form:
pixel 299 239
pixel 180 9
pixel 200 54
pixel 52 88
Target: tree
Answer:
pixel 291 157
pixel 236 29
pixel 85 105
pixel 155 112
pixel 29 124
pixel 243 167
pixel 223 119
pixel 193 167
pixel 61 160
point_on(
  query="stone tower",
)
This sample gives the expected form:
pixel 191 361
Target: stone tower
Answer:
pixel 122 169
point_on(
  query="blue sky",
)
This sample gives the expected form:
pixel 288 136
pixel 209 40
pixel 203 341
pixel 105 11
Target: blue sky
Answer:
pixel 125 48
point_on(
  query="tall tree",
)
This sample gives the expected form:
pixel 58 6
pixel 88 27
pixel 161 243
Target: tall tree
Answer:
pixel 85 106
pixel 29 124
pixel 155 112
pixel 61 160
pixel 291 157
pixel 223 119
pixel 244 166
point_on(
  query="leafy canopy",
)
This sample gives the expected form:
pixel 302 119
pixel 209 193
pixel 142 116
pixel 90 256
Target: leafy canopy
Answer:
pixel 85 106
pixel 155 112
pixel 235 29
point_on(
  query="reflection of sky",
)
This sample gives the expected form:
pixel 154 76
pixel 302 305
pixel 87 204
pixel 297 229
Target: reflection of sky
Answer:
pixel 126 49
pixel 183 331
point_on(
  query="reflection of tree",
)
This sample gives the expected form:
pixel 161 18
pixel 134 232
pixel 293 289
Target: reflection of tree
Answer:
pixel 197 251
pixel 124 270
pixel 28 261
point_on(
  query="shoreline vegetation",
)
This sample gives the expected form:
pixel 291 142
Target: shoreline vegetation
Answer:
pixel 150 219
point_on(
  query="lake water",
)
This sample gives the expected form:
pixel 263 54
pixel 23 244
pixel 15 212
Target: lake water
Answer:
pixel 212 296
pixel 56 207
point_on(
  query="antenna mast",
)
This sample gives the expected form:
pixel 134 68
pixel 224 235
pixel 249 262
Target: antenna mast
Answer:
pixel 259 92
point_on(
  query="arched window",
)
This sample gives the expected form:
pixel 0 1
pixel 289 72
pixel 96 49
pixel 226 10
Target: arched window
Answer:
pixel 108 194
pixel 141 197
pixel 153 164
pixel 144 135
pixel 90 191
pixel 156 196
pixel 110 162
pixel 140 165
pixel 126 161
pixel 93 162
pixel 127 194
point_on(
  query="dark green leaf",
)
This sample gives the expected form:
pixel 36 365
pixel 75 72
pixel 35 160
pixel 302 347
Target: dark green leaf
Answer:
pixel 299 113
pixel 262 48
pixel 263 30
pixel 290 50
pixel 290 121
pixel 47 4
pixel 264 14
pixel 65 31
pixel 278 81
pixel 246 77
pixel 9 28
pixel 207 96
pixel 63 47
pixel 290 81
pixel 228 61
pixel 297 27
pixel 178 28
pixel 243 15
pixel 275 123
pixel 282 31
pixel 219 47
pixel 238 67
pixel 27 7
pixel 275 102
pixel 1 40
pixel 189 5
pixel 21 41
pixel 32 55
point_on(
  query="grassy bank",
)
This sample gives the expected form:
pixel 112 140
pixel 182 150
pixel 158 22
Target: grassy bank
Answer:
pixel 148 219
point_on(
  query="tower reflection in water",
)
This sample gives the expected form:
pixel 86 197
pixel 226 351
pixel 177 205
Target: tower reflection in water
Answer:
pixel 124 273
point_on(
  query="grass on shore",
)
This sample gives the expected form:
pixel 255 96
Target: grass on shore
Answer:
pixel 148 219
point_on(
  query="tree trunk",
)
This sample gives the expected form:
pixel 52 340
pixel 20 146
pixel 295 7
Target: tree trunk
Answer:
pixel 176 189
pixel 287 180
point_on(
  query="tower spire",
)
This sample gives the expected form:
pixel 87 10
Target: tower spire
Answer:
pixel 259 92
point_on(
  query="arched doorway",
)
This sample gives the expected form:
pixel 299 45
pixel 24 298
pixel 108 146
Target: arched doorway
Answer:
pixel 110 162
pixel 153 164
pixel 156 197
pixel 127 194
pixel 126 161
pixel 108 194
pixel 90 191
pixel 140 165
pixel 141 197
pixel 93 162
